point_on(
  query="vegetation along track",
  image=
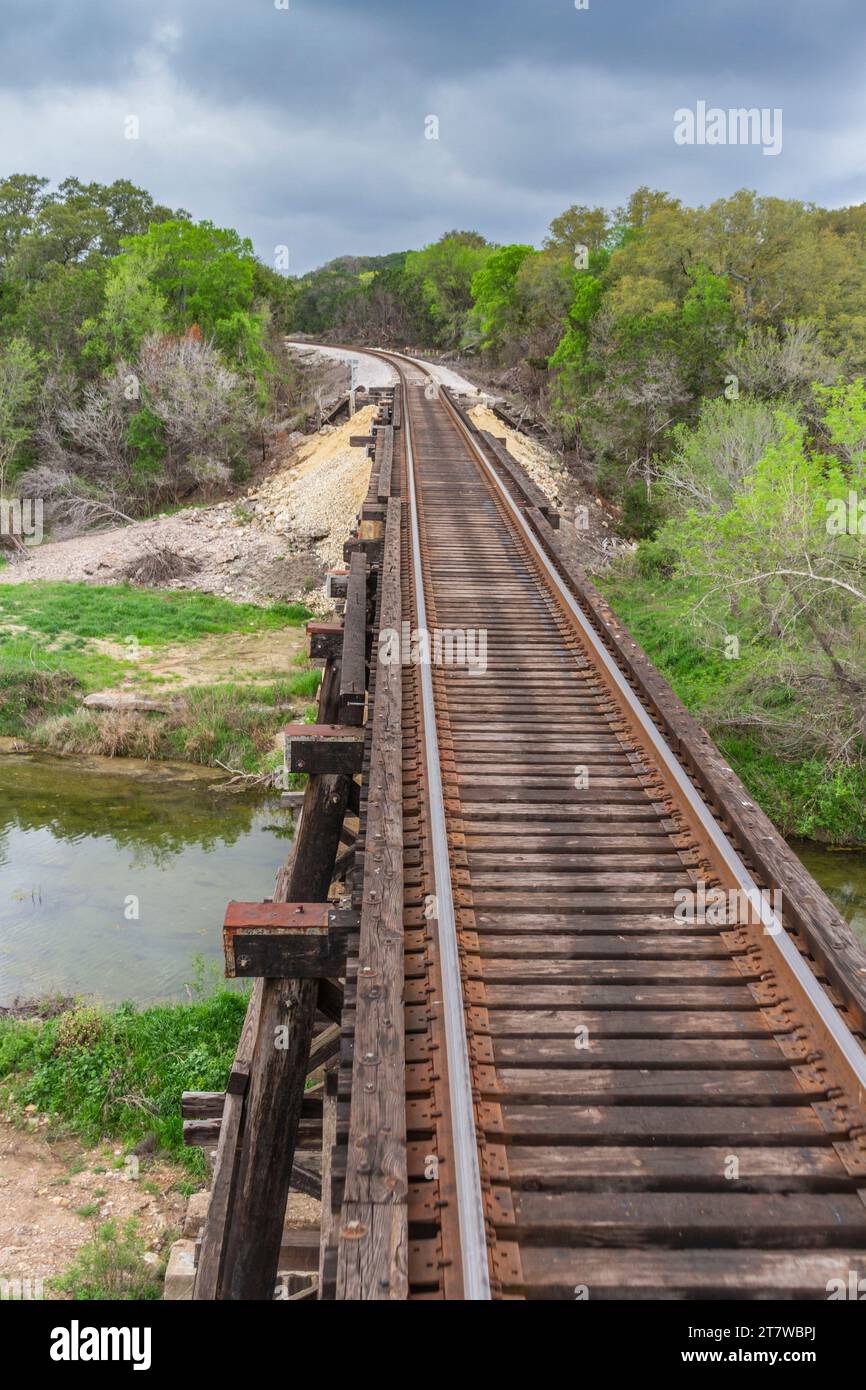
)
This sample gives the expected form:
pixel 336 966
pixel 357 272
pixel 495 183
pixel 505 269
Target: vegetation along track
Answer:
pixel 602 1099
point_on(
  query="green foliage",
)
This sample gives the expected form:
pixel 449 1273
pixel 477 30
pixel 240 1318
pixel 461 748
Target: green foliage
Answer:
pixel 493 292
pixel 98 283
pixel 123 1079
pixel 709 461
pixel 82 1027
pixel 145 435
pixel 443 274
pixel 179 274
pixel 641 514
pixel 19 381
pixel 112 1266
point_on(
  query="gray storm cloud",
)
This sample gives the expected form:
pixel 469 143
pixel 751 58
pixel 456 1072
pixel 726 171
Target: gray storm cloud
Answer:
pixel 306 126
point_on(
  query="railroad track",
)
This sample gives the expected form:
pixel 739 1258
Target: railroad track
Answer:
pixel 602 1100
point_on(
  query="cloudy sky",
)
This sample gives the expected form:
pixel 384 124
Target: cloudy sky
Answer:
pixel 305 126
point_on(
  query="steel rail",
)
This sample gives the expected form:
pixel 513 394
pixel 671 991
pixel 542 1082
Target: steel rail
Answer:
pixel 849 1049
pixel 844 1040
pixel 470 1199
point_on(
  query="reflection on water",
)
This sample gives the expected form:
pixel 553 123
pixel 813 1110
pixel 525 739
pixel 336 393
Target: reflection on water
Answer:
pixel 82 850
pixel 842 875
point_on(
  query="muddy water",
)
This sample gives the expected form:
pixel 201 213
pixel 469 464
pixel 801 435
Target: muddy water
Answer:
pixel 842 875
pixel 114 875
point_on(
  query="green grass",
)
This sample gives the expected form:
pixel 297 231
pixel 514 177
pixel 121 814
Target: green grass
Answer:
pixel 45 673
pixel 152 616
pixel 800 795
pixel 119 1073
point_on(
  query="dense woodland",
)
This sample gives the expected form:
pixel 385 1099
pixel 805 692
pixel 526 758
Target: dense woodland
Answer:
pixel 702 368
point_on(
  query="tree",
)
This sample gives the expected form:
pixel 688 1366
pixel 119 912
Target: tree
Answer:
pixel 709 463
pixel 19 380
pixel 179 274
pixel 443 274
pixel 578 226
pixel 493 291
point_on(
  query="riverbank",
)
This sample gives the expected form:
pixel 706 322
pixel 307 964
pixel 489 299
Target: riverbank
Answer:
pixel 93 1170
pixel 122 671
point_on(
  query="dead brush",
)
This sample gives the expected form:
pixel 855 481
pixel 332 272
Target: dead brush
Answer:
pixel 158 565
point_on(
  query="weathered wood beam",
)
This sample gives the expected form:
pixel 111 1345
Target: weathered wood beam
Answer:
pixel 276 1086
pixel 353 679
pixel 317 748
pixel 285 940
pixel 372 1252
pixel 331 999
pixel 385 461
pixel 329 1139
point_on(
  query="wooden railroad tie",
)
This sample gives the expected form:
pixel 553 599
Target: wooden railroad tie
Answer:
pixel 324 748
pixel 289 941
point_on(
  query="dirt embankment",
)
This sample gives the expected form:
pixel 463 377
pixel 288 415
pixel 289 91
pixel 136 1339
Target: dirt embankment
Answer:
pixel 54 1194
pixel 272 543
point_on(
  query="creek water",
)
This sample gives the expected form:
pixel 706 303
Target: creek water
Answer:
pixel 114 876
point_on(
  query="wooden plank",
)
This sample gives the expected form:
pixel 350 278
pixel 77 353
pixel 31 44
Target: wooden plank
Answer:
pixel 285 940
pixel 691 1218
pixel 353 679
pixel 653 1086
pixel 223 1188
pixel 557 1272
pixel 663 1167
pixel 325 1045
pixel 372 1253
pixel 276 1084
pixel 654 1053
pixel 397 408
pixel 384 461
pixel 329 1139
pixel 513 1025
pixel 202 1105
pixel 700 1124
pixel 331 999
pixel 318 748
